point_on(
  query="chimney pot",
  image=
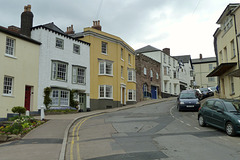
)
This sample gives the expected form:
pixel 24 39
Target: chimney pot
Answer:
pixel 200 56
pixel 167 51
pixel 96 25
pixel 26 21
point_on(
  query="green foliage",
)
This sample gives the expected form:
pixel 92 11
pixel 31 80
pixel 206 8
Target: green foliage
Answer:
pixel 18 109
pixel 47 99
pixel 73 103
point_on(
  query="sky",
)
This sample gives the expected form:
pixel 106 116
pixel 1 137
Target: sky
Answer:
pixel 184 26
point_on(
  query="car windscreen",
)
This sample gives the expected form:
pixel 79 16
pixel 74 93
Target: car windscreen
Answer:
pixel 190 95
pixel 232 106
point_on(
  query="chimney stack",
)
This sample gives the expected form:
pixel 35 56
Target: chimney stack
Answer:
pixel 167 51
pixel 96 25
pixel 200 56
pixel 70 30
pixel 26 21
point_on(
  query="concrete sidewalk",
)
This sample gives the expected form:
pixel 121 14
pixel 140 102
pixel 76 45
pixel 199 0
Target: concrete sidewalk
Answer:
pixel 48 141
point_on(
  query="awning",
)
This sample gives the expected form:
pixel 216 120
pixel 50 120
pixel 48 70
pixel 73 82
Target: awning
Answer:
pixel 221 69
pixel 235 73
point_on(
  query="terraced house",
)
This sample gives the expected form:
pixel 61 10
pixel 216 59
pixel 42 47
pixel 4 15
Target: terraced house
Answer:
pixel 19 55
pixel 113 75
pixel 226 45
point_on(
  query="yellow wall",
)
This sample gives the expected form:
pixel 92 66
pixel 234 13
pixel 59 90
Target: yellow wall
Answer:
pixel 23 68
pixel 113 54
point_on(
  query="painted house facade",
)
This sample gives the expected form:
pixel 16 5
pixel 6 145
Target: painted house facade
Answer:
pixel 226 45
pixel 148 78
pixel 113 75
pixel 64 66
pixel 19 71
pixel 201 68
pixel 170 85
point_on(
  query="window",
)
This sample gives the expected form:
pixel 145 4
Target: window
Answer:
pixel 10 44
pixel 131 95
pixel 157 76
pixel 131 75
pixel 211 79
pixel 221 57
pixel 145 71
pixel 8 85
pixel 121 71
pixel 227 24
pixel 232 84
pixel 121 54
pixel 59 71
pixel 174 74
pixel 59 43
pixel 78 75
pixel 145 92
pixel 129 58
pixel 233 51
pixel 105 91
pixel 60 97
pixel 174 63
pixel 169 61
pixel 105 68
pixel 225 55
pixel 164 58
pixel 151 73
pixel 76 48
pixel 104 48
pixel 210 67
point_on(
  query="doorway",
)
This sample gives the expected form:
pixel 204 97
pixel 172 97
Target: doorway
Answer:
pixel 82 102
pixel 27 103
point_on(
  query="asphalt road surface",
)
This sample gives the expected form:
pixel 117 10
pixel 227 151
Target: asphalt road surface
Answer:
pixel 152 132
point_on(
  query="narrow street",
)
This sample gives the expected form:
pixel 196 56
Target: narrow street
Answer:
pixel 151 132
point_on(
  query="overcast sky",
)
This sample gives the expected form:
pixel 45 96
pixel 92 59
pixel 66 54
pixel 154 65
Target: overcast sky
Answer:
pixel 184 26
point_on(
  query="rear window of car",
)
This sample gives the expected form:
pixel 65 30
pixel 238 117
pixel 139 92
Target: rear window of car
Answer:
pixel 232 106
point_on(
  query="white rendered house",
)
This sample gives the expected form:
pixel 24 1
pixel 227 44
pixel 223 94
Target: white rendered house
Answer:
pixel 64 66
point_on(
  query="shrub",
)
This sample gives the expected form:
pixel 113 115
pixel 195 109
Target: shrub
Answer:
pixel 18 109
pixel 47 99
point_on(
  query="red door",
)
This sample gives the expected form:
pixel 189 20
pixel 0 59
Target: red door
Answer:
pixel 27 97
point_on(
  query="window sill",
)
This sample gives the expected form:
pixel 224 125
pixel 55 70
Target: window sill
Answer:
pixel 7 95
pixel 84 84
pixel 131 100
pixel 105 98
pixel 109 75
pixel 132 81
pixel 10 56
pixel 104 54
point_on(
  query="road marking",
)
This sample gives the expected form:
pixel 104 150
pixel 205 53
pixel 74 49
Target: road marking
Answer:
pixel 188 124
pixel 197 128
pixel 223 138
pixel 181 121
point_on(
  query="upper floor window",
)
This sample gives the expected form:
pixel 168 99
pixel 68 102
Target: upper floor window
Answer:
pixel 145 71
pixel 104 48
pixel 59 43
pixel 129 58
pixel 8 85
pixel 169 61
pixel 174 74
pixel 131 75
pixel 174 63
pixel 228 23
pixel 164 58
pixel 157 76
pixel 225 55
pixel 76 48
pixel 105 68
pixel 233 51
pixel 121 71
pixel 151 73
pixel 232 84
pixel 78 75
pixel 211 79
pixel 59 71
pixel 10 44
pixel 121 54
pixel 210 67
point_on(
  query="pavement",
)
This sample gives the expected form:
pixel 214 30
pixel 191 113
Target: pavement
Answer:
pixel 48 141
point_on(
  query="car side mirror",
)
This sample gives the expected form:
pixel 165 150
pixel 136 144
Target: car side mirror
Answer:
pixel 219 110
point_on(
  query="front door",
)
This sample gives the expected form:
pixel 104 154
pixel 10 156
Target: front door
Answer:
pixel 27 97
pixel 82 102
pixel 154 92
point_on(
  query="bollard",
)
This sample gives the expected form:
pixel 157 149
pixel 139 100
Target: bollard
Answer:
pixel 42 113
pixel 27 113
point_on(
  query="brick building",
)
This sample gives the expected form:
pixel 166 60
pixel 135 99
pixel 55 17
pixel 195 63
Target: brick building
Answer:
pixel 148 78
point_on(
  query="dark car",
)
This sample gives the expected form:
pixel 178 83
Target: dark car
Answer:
pixel 205 92
pixel 187 100
pixel 210 92
pixel 221 113
pixel 198 94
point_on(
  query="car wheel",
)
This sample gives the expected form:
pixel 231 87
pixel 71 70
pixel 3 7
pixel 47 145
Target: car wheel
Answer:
pixel 201 121
pixel 230 129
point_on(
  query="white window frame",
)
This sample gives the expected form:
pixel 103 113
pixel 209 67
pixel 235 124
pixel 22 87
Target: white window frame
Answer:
pixel 122 54
pixel 157 76
pixel 76 48
pixel 78 75
pixel 151 73
pixel 103 67
pixel 59 43
pixel 121 71
pixel 129 59
pixel 131 95
pixel 10 47
pixel 8 85
pixel 145 71
pixel 103 89
pixel 60 97
pixel 131 75
pixel 233 49
pixel 56 71
pixel 104 48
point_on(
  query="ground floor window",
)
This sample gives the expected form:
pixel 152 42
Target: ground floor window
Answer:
pixel 105 91
pixel 8 85
pixel 60 97
pixel 131 95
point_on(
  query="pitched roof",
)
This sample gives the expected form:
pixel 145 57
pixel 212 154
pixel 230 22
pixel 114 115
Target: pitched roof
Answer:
pixel 53 27
pixel 184 59
pixel 147 48
pixel 204 60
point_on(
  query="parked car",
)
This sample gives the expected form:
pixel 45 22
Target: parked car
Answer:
pixel 204 92
pixel 187 100
pixel 198 94
pixel 221 113
pixel 214 89
pixel 210 92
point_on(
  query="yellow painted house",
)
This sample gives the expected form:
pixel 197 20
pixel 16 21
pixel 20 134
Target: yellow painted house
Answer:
pixel 226 45
pixel 19 56
pixel 112 69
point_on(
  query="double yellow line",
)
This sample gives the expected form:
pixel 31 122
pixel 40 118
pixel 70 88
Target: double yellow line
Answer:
pixel 77 126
